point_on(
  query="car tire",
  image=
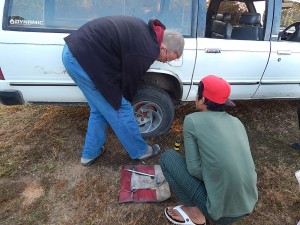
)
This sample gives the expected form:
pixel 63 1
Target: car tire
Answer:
pixel 153 110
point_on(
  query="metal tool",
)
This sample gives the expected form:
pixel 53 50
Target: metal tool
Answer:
pixel 141 173
pixel 146 174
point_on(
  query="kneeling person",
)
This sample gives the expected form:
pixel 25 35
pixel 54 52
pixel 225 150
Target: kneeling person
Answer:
pixel 216 180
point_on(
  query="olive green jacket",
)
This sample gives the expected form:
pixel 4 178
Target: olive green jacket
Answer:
pixel 218 152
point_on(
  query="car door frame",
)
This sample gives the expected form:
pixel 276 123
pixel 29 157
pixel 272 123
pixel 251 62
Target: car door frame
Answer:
pixel 282 56
pixel 243 87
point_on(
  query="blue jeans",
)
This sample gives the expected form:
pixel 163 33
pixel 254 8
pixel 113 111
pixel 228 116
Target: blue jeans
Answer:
pixel 122 121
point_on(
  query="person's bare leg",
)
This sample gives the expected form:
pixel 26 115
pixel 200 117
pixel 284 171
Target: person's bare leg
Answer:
pixel 193 212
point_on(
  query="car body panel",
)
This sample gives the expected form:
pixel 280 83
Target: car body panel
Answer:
pixel 234 62
pixel 31 57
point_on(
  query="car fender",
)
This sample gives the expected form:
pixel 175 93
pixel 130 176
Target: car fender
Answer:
pixel 166 80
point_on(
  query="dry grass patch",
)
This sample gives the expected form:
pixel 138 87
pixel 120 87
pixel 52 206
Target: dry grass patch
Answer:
pixel 42 181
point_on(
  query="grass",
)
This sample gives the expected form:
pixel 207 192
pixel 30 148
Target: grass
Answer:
pixel 42 181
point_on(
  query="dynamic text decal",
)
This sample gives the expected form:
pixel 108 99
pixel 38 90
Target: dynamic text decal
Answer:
pixel 25 22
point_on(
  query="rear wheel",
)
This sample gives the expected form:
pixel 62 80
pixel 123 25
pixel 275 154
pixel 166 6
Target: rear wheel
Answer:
pixel 153 110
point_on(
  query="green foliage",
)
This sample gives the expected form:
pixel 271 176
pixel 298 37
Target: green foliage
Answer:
pixel 233 6
pixel 290 15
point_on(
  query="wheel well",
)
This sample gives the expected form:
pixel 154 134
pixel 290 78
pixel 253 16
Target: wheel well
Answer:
pixel 169 83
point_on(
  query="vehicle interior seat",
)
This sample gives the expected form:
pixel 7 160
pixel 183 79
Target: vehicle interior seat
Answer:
pixel 219 17
pixel 249 27
pixel 221 27
pixel 225 17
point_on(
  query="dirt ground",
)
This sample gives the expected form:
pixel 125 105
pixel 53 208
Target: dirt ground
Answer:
pixel 42 181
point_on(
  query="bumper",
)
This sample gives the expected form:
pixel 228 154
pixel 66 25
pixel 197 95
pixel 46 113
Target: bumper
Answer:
pixel 11 97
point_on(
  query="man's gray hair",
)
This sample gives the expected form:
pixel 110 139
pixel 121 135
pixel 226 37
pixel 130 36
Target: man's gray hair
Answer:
pixel 174 42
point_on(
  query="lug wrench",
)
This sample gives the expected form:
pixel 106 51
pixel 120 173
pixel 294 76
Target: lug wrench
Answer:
pixel 146 174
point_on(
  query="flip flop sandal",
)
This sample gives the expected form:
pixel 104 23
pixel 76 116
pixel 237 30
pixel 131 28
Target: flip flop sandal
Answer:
pixel 187 220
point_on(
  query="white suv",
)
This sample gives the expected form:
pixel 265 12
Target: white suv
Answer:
pixel 245 42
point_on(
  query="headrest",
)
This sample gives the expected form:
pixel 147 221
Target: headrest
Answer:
pixel 219 17
pixel 250 18
pixel 225 17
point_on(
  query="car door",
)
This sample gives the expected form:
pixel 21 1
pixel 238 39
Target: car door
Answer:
pixel 240 62
pixel 282 76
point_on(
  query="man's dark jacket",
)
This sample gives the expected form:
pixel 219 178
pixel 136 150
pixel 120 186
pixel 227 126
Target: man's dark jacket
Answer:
pixel 116 52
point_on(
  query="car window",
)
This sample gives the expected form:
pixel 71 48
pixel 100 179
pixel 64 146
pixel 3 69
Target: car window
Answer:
pixel 83 10
pixel 21 15
pixel 235 19
pixel 177 15
pixel 66 15
pixel 290 14
pixel 260 7
pixel 235 8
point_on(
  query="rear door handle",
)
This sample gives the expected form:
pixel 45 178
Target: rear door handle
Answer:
pixel 284 52
pixel 212 50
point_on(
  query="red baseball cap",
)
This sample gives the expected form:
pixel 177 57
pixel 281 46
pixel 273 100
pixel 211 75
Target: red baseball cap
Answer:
pixel 217 90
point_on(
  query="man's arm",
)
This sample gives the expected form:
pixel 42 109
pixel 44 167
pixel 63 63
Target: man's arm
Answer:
pixel 193 158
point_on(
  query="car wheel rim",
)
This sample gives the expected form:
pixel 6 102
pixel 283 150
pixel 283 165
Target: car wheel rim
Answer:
pixel 148 115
